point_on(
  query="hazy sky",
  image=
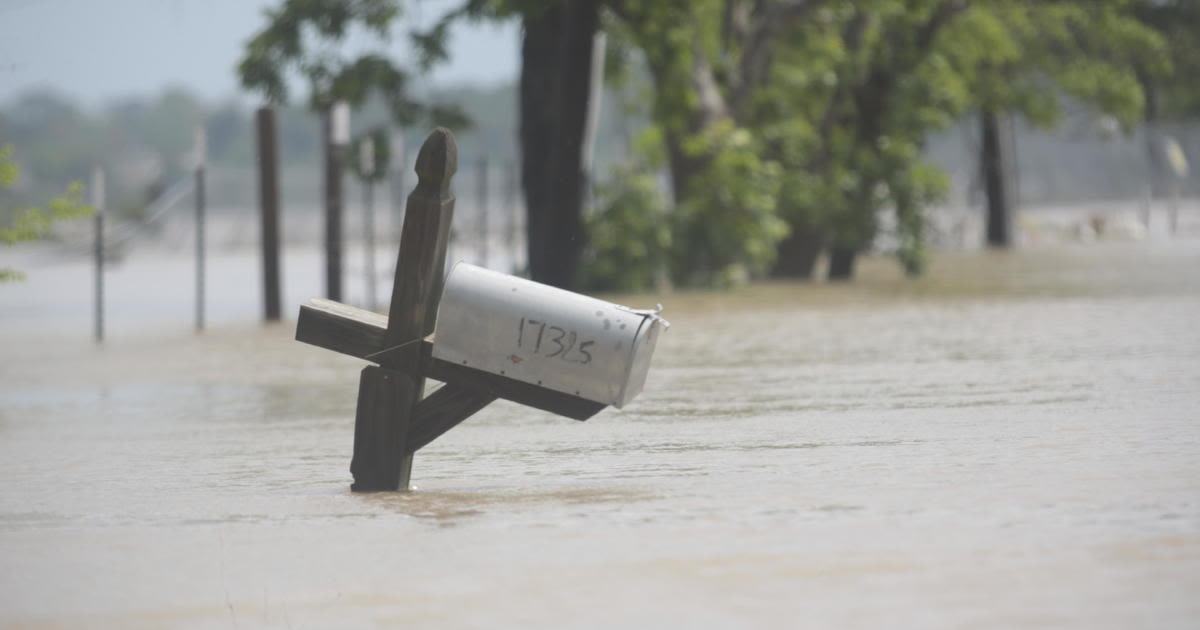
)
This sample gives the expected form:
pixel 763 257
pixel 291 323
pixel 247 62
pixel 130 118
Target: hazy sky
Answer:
pixel 99 50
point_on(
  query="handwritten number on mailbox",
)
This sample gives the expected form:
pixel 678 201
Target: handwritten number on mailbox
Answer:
pixel 570 344
pixel 557 336
pixel 541 330
pixel 558 341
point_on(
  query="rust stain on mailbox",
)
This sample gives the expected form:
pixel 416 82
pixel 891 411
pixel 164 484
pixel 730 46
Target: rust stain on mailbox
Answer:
pixel 545 336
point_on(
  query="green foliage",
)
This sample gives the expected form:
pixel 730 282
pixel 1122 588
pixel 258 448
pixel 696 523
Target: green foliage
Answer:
pixel 911 194
pixel 823 139
pixel 848 105
pixel 31 223
pixel 726 225
pixel 35 223
pixel 9 171
pixel 303 35
pixel 722 234
pixel 134 139
pixel 1020 56
pixel 629 236
pixel 852 90
pixel 1171 77
pixel 58 142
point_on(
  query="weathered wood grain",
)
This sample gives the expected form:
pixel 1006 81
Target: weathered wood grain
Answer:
pixel 359 333
pixel 393 421
pixel 510 389
pixel 334 167
pixel 268 203
pixel 381 430
pixel 420 265
pixel 443 410
pixel 345 329
pixel 415 293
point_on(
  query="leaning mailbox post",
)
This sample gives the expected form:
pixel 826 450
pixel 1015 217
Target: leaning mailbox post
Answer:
pixel 486 335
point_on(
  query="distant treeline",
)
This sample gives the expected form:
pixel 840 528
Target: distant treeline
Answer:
pixel 145 141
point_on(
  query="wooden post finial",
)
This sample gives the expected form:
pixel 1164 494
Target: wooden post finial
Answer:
pixel 437 161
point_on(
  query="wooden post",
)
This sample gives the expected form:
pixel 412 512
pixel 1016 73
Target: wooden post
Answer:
pixel 381 459
pixel 359 333
pixel 335 132
pixel 423 241
pixel 994 163
pixel 268 203
pixel 369 242
pixel 389 394
pixel 98 195
pixel 366 160
pixel 201 150
pixel 394 418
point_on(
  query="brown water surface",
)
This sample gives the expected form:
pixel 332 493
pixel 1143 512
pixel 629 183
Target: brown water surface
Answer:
pixel 1012 441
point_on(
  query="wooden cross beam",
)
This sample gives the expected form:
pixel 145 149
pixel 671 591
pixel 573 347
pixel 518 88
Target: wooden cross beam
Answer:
pixel 394 418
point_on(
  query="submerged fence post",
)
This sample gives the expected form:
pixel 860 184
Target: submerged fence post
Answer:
pixel 268 203
pixel 201 156
pixel 98 195
pixel 335 129
pixel 366 161
pixel 388 394
pixel 472 310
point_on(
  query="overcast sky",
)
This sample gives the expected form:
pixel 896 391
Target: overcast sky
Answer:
pixel 96 51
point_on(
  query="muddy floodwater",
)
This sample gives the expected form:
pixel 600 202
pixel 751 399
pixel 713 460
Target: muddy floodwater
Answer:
pixel 1012 441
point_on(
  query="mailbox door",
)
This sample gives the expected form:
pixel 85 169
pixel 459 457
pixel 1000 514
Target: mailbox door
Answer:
pixel 542 335
pixel 639 365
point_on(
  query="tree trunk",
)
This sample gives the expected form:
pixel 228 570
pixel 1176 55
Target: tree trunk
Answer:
pixel 797 254
pixel 556 61
pixel 995 178
pixel 709 109
pixel 841 263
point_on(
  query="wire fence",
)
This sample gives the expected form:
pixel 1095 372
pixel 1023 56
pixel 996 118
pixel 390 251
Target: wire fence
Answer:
pixel 488 227
pixel 1076 185
pixel 489 214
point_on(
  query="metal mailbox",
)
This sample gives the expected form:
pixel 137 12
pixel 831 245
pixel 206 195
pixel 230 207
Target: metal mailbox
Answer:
pixel 545 336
